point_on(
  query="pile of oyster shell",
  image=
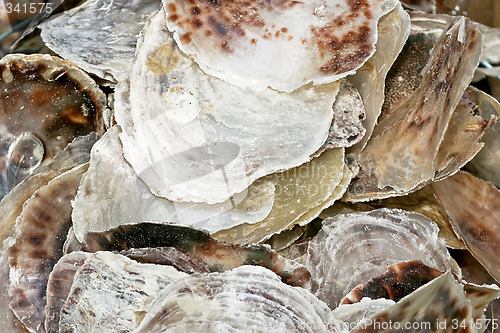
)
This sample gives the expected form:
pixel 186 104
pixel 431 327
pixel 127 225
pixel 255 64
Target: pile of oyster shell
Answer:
pixel 251 166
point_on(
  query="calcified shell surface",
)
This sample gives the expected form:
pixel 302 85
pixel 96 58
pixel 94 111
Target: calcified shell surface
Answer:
pixel 301 193
pixel 283 44
pixel 472 211
pixel 246 299
pixel 225 137
pixel 397 167
pixel 111 194
pixel 40 232
pixel 399 281
pixel 199 245
pixel 382 237
pixel 440 301
pixel 394 29
pixel 44 103
pixel 111 293
pixel 59 286
pixel 88 34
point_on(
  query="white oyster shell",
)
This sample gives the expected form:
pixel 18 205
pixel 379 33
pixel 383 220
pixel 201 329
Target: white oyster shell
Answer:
pixel 99 36
pixel 192 137
pixel 280 44
pixel 111 194
pixel 245 299
pixel 111 293
pixel 353 248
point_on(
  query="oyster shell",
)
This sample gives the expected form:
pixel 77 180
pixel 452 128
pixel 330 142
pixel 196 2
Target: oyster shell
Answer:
pixel 399 281
pixel 346 128
pixel 333 39
pixel 422 201
pixel 431 308
pixel 382 237
pixel 40 232
pixel 111 293
pixel 77 152
pixel 88 34
pixel 225 137
pixel 475 274
pixel 111 194
pixel 44 103
pixel 485 163
pixel 199 245
pixel 12 205
pixel 167 256
pixel 245 299
pixel 59 286
pixel 461 141
pixel 394 29
pixel 359 314
pixel 301 194
pixel 472 209
pixel 394 168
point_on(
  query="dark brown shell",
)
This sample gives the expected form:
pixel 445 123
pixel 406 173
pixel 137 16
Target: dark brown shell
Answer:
pixel 45 102
pixel 399 281
pixel 199 245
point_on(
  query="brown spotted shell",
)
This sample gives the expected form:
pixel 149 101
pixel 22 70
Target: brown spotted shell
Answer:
pixel 333 39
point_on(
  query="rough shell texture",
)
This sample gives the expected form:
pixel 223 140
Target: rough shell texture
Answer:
pixel 399 281
pixel 77 152
pixel 394 29
pixel 12 205
pixel 404 165
pixel 225 137
pixel 44 103
pixel 199 246
pixel 422 201
pixel 246 299
pixel 360 313
pixel 111 194
pixel 88 34
pixel 167 256
pixel 461 141
pixel 40 233
pixel 485 163
pixel 346 128
pixel 472 205
pixel 111 293
pixel 301 194
pixel 59 286
pixel 440 302
pixel 382 237
pixel 333 39
pixel 474 273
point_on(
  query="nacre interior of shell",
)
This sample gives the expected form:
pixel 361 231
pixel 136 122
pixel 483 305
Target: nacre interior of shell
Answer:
pixel 322 166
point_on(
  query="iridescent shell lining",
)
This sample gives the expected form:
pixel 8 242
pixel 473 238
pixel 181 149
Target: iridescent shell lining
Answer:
pixel 383 237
